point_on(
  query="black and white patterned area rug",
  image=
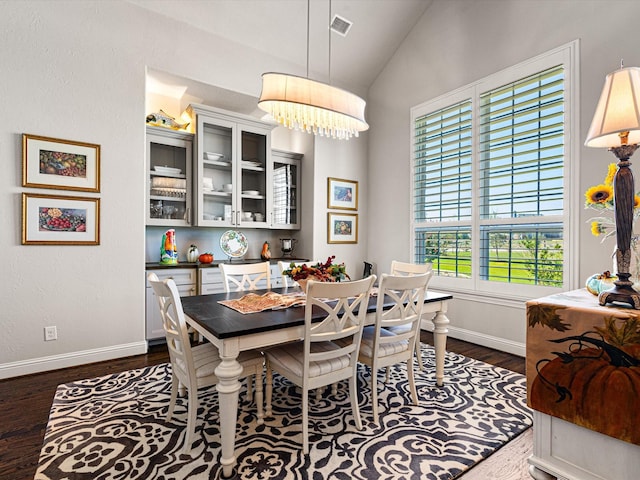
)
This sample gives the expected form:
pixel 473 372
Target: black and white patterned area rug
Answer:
pixel 114 427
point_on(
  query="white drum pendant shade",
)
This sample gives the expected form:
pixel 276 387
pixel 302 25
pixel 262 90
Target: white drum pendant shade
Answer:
pixel 311 106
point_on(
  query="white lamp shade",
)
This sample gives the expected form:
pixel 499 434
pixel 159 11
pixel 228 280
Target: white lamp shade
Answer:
pixel 618 110
pixel 301 103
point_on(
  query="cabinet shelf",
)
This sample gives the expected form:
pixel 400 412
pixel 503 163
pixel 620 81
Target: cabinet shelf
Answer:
pixel 217 164
pixel 168 199
pixel 217 194
pixel 153 173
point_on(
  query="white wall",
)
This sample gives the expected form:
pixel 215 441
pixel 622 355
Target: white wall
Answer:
pixel 76 70
pixel 455 43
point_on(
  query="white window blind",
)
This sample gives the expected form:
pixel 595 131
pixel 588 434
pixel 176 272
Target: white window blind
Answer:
pixel 490 180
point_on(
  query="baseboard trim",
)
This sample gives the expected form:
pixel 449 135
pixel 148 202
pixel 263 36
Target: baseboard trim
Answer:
pixel 72 359
pixel 497 343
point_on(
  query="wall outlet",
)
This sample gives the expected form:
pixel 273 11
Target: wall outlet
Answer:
pixel 50 333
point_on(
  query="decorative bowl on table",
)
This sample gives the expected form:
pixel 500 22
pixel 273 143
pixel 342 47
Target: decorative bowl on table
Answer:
pixel 320 272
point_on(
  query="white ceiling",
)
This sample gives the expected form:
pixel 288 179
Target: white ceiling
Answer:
pixel 279 27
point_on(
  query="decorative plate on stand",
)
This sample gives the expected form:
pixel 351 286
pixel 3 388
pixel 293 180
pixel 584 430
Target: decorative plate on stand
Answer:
pixel 234 243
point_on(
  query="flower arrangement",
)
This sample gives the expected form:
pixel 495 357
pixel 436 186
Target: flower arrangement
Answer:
pixel 600 197
pixel 322 272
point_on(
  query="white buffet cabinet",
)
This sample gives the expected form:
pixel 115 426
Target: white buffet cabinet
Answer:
pixel 565 451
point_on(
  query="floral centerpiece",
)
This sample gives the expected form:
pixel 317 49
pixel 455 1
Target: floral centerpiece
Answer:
pixel 321 272
pixel 601 198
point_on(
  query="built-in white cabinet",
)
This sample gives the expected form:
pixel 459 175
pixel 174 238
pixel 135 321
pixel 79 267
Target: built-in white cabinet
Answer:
pixel 285 195
pixel 185 279
pixel 232 169
pixel 210 280
pixel 169 160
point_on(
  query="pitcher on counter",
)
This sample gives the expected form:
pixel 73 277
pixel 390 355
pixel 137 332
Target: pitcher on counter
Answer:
pixel 169 248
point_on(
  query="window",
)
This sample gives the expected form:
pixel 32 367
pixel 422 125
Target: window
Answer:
pixel 491 179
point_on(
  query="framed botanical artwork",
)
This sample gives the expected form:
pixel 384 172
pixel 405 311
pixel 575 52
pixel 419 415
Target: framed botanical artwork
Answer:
pixel 342 194
pixel 60 164
pixel 342 227
pixel 60 220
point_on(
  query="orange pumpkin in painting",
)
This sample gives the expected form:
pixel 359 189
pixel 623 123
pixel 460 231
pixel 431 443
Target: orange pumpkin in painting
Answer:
pixel 597 387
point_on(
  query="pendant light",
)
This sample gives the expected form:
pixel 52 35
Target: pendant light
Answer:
pixel 312 106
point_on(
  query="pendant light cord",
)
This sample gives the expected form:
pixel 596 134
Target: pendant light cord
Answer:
pixel 308 15
pixel 330 42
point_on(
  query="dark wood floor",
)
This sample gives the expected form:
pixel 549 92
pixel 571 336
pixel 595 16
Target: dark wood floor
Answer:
pixel 25 401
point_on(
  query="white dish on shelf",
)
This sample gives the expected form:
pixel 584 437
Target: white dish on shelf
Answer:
pixel 171 170
pixel 251 192
pixel 234 243
pixel 248 163
pixel 213 156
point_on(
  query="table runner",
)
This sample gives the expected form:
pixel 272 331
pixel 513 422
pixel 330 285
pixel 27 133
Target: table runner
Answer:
pixel 254 303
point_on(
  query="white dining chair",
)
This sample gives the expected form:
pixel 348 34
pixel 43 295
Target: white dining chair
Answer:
pixel 245 276
pixel 380 347
pixel 410 269
pixel 193 368
pixel 317 360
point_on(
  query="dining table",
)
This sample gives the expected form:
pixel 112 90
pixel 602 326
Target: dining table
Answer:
pixel 233 332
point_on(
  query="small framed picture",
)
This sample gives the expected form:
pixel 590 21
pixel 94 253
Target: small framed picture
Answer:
pixel 342 194
pixel 342 227
pixel 60 164
pixel 59 220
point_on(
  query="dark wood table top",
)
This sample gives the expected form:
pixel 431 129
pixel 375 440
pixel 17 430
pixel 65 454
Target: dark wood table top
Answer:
pixel 224 322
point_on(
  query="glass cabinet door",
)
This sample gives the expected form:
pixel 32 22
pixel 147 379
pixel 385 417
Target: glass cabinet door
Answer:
pixel 169 160
pixel 233 157
pixel 253 176
pixel 216 177
pixel 285 199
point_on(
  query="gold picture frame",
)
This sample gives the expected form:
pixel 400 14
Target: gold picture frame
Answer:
pixel 60 220
pixel 342 227
pixel 342 194
pixel 60 164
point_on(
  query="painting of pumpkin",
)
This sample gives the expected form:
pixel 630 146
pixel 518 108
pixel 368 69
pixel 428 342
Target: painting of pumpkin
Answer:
pixel 596 383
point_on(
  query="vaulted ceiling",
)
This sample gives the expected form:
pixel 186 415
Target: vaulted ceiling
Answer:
pixel 279 27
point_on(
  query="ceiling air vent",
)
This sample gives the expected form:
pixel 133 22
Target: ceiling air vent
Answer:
pixel 340 25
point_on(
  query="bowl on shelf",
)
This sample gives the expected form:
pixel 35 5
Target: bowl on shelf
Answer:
pixel 213 156
pixel 227 187
pixel 247 215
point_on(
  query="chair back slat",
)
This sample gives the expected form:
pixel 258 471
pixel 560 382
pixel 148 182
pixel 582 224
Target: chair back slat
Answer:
pixel 410 269
pixel 407 294
pixel 242 277
pixel 344 306
pixel 175 326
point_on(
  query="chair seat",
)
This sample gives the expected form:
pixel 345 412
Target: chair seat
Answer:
pixel 384 349
pixel 206 359
pixel 291 357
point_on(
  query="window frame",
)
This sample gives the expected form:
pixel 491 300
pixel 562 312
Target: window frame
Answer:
pixel 568 56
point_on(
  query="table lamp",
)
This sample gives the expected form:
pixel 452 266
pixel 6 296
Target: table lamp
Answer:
pixel 616 126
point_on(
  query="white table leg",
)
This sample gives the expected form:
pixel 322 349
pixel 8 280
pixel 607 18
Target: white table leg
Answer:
pixel 228 387
pixel 440 322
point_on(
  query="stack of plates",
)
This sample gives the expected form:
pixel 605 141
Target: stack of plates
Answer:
pixel 251 192
pixel 170 170
pixel 249 163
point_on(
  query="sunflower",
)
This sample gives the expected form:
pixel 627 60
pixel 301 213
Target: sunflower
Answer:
pixel 597 229
pixel 636 201
pixel 599 194
pixel 613 168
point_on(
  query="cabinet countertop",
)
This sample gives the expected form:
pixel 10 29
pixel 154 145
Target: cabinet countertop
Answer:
pixel 215 263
